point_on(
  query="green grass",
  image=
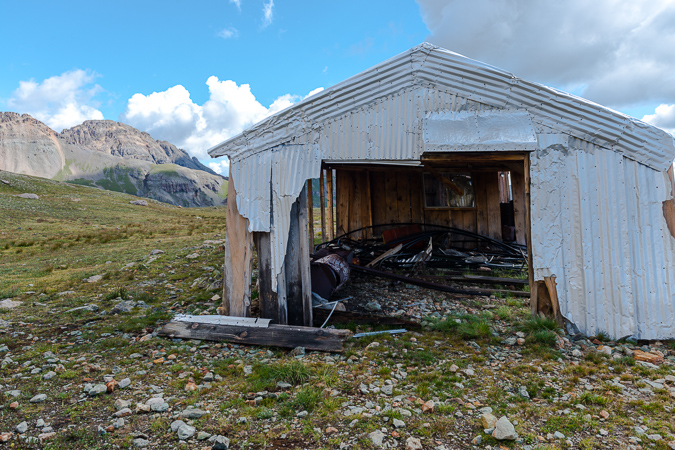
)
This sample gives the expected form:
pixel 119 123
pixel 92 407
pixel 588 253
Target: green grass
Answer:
pixel 266 376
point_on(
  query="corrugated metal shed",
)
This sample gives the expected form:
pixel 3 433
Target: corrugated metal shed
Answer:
pixel 598 178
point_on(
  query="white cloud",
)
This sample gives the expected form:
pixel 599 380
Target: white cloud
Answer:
pixel 60 101
pixel 663 117
pixel 222 167
pixel 314 91
pixel 172 115
pixel 229 33
pixel 616 52
pixel 268 12
pixel 237 3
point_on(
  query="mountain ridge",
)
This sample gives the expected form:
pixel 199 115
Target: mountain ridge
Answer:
pixel 110 155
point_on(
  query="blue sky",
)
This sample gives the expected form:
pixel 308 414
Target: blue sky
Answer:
pixel 198 72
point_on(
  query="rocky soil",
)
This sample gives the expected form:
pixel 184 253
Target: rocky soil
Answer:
pixel 84 294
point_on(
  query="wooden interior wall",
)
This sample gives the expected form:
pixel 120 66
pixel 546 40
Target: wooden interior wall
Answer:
pixel 372 197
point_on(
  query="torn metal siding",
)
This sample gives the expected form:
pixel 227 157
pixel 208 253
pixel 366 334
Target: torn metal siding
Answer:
pixel 598 226
pixel 270 183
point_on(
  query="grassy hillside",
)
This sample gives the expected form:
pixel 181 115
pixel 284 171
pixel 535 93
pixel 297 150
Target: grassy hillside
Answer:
pixel 72 231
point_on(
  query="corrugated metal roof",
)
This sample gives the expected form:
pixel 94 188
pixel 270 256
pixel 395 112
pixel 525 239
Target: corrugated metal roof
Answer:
pixel 435 69
pixel 598 226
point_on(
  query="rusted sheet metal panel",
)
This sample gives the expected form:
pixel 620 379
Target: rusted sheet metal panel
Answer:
pixel 598 226
pixel 388 97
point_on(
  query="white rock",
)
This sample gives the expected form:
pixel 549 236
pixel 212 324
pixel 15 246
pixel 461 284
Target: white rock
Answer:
pixel 377 437
pixel 504 430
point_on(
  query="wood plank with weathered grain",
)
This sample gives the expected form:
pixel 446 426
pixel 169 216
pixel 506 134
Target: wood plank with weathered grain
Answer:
pixel 238 260
pixel 519 213
pixel 286 336
pixel 329 210
pixel 322 201
pixel 494 213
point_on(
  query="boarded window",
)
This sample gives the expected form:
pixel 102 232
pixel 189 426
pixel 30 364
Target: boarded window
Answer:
pixel 438 195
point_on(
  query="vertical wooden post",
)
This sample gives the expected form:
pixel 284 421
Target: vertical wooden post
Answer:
pixel 519 213
pixel 238 260
pixel 330 216
pixel 528 238
pixel 310 213
pixel 298 288
pixel 322 198
pixel 268 299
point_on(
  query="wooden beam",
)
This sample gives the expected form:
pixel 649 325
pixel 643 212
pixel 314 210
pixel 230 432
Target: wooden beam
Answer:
pixel 438 175
pixel 528 238
pixel 494 212
pixel 322 199
pixel 330 215
pixel 321 339
pixel 268 299
pixel 389 252
pixel 553 295
pixel 297 266
pixel 475 157
pixel 519 211
pixel 238 260
pixel 310 206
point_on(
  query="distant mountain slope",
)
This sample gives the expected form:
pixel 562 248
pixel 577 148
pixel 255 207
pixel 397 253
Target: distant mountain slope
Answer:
pixel 109 155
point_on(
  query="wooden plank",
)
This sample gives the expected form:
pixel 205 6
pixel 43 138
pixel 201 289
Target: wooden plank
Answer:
pixel 238 260
pixel 329 210
pixel 268 299
pixel 528 227
pixel 469 220
pixel 438 159
pixel 403 197
pixel 286 336
pixel 494 213
pixel 519 213
pixel 553 295
pixel 389 252
pixel 310 200
pixel 391 203
pixel 343 189
pixel 378 197
pixel 322 200
pixel 366 204
pixel 437 217
pixel 356 207
pixel 480 191
pixel 297 265
pixel 416 197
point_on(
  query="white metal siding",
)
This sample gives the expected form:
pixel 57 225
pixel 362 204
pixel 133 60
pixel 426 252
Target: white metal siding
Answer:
pixel 598 226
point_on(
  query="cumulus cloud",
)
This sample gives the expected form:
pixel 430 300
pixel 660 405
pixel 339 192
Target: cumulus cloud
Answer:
pixel 314 91
pixel 228 33
pixel 222 167
pixel 663 117
pixel 60 101
pixel 268 12
pixel 616 52
pixel 172 115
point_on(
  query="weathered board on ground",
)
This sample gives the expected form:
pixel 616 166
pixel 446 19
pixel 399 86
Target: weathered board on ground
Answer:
pixel 287 336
